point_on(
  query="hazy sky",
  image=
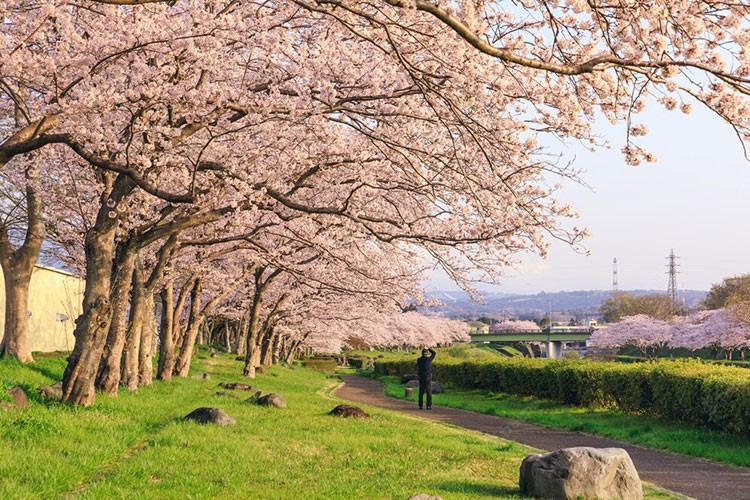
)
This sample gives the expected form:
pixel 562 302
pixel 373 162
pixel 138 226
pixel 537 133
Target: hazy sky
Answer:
pixel 695 199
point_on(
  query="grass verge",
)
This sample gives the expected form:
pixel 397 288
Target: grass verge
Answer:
pixel 137 445
pixel 637 429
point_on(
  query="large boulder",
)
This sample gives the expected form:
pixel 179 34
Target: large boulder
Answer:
pixel 273 399
pixel 348 411
pixel 436 387
pixel 409 378
pixel 215 416
pixel 19 398
pixel 581 472
pixel 53 391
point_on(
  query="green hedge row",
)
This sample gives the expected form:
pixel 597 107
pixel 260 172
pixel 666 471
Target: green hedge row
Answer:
pixel 685 390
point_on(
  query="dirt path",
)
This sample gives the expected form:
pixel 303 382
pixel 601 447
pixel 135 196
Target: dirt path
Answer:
pixel 688 476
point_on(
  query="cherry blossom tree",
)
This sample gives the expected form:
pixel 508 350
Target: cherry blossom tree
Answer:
pixel 640 330
pixel 403 123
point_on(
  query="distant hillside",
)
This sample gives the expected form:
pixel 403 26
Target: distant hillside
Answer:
pixel 584 303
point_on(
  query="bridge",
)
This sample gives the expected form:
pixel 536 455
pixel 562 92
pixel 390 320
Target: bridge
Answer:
pixel 553 338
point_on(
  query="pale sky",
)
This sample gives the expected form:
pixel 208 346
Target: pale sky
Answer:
pixel 695 199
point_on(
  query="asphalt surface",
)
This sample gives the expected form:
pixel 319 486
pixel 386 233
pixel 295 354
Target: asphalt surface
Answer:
pixel 691 477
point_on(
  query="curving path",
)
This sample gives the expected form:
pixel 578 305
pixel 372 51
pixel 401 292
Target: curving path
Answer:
pixel 688 476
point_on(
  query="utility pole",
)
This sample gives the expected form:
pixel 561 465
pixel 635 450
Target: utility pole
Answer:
pixel 614 275
pixel 672 272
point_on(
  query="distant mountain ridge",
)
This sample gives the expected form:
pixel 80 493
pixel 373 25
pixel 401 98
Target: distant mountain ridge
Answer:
pixel 582 303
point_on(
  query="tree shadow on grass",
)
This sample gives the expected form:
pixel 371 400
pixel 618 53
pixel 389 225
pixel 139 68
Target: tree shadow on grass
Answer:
pixel 478 488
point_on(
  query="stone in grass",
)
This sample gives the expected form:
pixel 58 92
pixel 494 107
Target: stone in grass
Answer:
pixel 236 386
pixel 408 378
pixel 202 376
pixel 581 472
pixel 53 391
pixel 425 496
pixel 273 399
pixel 206 415
pixel 348 411
pixel 19 398
pixel 436 387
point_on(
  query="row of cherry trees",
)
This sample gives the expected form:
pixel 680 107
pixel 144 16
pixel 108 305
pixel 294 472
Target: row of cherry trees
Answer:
pixel 297 166
pixel 724 329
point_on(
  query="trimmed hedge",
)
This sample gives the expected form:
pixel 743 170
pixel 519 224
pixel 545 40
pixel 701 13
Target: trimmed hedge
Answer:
pixel 691 391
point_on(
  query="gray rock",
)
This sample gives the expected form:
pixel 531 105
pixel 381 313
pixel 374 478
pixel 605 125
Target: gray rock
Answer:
pixel 425 496
pixel 348 411
pixel 215 416
pixel 53 391
pixel 236 386
pixel 408 378
pixel 436 387
pixel 273 399
pixel 19 398
pixel 581 473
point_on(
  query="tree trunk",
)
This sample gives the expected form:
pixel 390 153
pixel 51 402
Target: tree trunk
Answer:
pixel 131 354
pixel 241 344
pixel 276 350
pixel 266 356
pixel 18 266
pixel 108 379
pixel 148 338
pixel 251 355
pixel 15 338
pixel 182 367
pixel 166 340
pixel 93 324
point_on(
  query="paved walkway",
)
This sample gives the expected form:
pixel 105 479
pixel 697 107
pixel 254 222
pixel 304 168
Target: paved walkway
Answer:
pixel 688 476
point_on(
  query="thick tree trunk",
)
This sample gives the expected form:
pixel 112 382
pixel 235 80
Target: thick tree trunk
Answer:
pixel 166 340
pixel 93 324
pixel 108 379
pixel 148 342
pixel 18 266
pixel 131 354
pixel 15 337
pixel 251 351
pixel 182 366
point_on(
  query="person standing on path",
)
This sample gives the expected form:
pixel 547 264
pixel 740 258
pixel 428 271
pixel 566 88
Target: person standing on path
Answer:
pixel 424 364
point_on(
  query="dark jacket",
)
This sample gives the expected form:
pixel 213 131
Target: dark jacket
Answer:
pixel 425 366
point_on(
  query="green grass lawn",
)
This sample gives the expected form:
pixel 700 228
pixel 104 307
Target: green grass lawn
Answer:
pixel 638 429
pixel 138 446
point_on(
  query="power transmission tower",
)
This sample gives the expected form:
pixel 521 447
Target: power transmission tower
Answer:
pixel 672 272
pixel 614 275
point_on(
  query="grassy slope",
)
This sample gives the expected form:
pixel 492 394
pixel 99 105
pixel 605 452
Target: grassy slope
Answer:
pixel 137 445
pixel 638 429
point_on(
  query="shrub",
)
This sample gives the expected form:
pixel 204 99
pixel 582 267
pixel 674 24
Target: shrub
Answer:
pixel 321 364
pixel 357 363
pixel 691 391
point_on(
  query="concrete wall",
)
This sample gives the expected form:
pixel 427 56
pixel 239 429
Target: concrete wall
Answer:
pixel 55 299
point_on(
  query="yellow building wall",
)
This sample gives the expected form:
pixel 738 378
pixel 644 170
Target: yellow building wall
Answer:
pixel 55 301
